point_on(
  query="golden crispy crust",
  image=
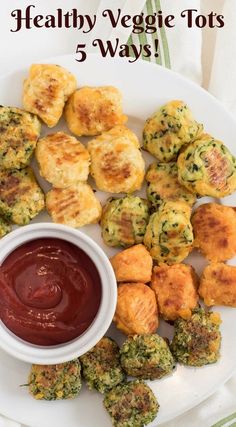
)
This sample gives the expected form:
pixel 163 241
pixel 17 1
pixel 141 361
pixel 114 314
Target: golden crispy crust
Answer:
pixel 116 161
pixel 75 205
pixel 133 265
pixel 214 229
pixel 93 110
pixel 175 287
pixel 218 285
pixel 46 90
pixel 136 310
pixel 63 160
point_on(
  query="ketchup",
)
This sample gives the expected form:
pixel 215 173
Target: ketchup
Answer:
pixel 50 291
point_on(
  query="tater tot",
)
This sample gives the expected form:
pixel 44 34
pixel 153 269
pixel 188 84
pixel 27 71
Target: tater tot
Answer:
pixel 214 228
pixel 133 265
pixel 46 90
pixel 175 287
pixel 136 310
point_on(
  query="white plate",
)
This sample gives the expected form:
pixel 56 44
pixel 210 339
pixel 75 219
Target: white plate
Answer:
pixel 145 87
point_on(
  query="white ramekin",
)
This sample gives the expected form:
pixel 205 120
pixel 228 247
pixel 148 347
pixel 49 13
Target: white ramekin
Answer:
pixel 64 352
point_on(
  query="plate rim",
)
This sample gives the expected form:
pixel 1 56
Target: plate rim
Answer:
pixel 186 81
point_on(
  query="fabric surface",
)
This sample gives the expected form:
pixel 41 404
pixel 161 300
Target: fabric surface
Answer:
pixel 222 80
pixel 178 42
pixel 206 56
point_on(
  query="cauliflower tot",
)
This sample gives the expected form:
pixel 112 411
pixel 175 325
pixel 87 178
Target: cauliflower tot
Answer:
pixel 74 206
pixel 46 90
pixel 93 110
pixel 117 165
pixel 62 159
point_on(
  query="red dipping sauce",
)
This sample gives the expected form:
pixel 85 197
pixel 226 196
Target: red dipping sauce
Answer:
pixel 50 291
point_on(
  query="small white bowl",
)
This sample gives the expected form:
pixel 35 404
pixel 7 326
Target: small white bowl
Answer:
pixel 67 351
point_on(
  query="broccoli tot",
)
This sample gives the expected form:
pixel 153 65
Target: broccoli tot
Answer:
pixel 146 356
pixel 54 382
pixel 131 404
pixel 101 366
pixel 4 227
pixel 197 340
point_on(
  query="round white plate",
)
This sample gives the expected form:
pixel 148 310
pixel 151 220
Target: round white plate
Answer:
pixel 145 87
